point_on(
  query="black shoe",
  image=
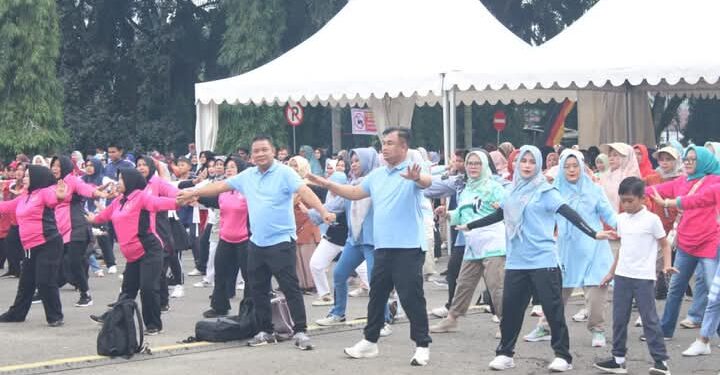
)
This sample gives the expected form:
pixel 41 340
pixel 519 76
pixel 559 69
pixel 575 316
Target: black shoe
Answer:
pixel 36 298
pixel 214 314
pixel 97 319
pixel 164 308
pixel 152 331
pixel 660 368
pixel 611 367
pixel 7 275
pixel 5 318
pixel 57 323
pixel 84 301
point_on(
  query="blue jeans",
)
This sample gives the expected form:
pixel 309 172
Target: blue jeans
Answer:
pixel 686 264
pixel 350 258
pixel 711 322
pixel 699 302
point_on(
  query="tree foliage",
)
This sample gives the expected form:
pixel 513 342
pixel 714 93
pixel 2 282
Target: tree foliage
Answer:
pixel 30 92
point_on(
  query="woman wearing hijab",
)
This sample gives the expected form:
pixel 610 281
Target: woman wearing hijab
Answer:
pixel 531 263
pixel 485 247
pixel 359 245
pixel 95 175
pixel 643 159
pixel 231 254
pixel 711 321
pixel 39 160
pixel 70 217
pixel 501 164
pixel 512 160
pixel 135 229
pixel 506 148
pixel 698 233
pixel 314 163
pixel 42 243
pixel 308 234
pixel 584 261
pixel 602 165
pixel 13 245
pixel 623 164
pixel 415 157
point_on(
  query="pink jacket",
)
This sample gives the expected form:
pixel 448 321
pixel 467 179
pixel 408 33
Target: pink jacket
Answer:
pixel 233 215
pixel 134 225
pixel 698 233
pixel 63 212
pixel 35 216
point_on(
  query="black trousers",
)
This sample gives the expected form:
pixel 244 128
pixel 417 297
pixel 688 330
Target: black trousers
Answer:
pixel 39 271
pixel 14 250
pixel 453 271
pixel 277 260
pixel 229 258
pixel 144 275
pixel 192 231
pixel 164 279
pixel 519 285
pixel 74 265
pixel 204 247
pixel 400 269
pixel 106 243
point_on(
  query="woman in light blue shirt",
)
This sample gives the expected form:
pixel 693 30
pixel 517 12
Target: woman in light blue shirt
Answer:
pixel 531 263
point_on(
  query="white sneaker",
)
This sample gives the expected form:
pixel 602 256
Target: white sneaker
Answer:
pixel 359 292
pixel 485 309
pixel 689 324
pixel 195 272
pixel 697 348
pixel 331 320
pixel 502 362
pixel 112 270
pixel 440 312
pixel 178 292
pixel 325 300
pixel 363 349
pixel 495 319
pixel 598 340
pixel 538 334
pixel 386 330
pixel 638 322
pixel 203 284
pixel 421 357
pixel 537 311
pixel 559 365
pixel 99 273
pixel 444 326
pixel 581 316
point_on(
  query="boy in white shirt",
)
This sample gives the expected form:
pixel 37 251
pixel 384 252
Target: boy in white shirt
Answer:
pixel 641 232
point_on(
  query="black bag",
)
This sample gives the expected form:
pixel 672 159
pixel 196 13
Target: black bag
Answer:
pixel 120 332
pixel 240 327
pixel 181 240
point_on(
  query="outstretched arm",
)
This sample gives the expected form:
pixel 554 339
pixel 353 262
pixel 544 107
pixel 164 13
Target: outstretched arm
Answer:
pixel 573 217
pixel 352 192
pixel 211 190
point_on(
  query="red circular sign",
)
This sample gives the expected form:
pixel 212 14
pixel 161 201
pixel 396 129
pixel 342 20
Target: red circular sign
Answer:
pixel 294 114
pixel 499 121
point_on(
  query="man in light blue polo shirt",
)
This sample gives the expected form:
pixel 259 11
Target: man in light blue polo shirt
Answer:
pixel 396 192
pixel 269 188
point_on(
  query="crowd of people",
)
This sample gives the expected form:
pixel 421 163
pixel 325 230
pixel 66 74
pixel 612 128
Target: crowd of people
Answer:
pixel 534 225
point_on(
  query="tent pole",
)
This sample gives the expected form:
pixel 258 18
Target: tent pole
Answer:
pixel 452 106
pixel 446 129
pixel 627 114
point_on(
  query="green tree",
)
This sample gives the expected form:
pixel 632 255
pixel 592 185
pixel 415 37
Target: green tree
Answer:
pixel 30 92
pixel 704 121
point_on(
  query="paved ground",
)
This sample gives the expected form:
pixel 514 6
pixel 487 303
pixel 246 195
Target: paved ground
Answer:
pixel 25 346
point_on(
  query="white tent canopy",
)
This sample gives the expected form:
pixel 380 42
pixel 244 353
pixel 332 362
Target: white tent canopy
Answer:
pixel 370 53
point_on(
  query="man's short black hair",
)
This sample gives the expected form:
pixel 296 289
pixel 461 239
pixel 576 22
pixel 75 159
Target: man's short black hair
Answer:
pixel 402 133
pixel 118 146
pixel 262 137
pixel 633 186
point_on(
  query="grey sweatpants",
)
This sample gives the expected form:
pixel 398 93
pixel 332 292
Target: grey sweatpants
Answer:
pixel 643 291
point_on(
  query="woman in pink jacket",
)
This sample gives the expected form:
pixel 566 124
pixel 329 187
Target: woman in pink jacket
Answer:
pixel 132 216
pixel 698 233
pixel 74 229
pixel 42 243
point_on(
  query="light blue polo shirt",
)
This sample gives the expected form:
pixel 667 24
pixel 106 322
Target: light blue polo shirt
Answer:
pixel 534 247
pixel 397 212
pixel 270 202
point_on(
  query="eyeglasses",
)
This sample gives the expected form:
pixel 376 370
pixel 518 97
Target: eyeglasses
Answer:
pixel 474 164
pixel 689 161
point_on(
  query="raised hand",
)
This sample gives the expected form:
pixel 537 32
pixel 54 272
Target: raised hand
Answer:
pixel 100 194
pixel 412 173
pixel 185 197
pixel 61 190
pixel 317 180
pixel 441 211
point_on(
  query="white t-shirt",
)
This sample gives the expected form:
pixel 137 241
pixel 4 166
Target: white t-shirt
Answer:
pixel 639 234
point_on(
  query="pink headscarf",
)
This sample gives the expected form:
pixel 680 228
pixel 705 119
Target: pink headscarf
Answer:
pixel 610 180
pixel 501 164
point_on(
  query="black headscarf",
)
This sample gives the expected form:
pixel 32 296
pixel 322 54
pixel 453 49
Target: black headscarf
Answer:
pixel 40 177
pixel 66 165
pixel 133 180
pixel 150 162
pixel 97 177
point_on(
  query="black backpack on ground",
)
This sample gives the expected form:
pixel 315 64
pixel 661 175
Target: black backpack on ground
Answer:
pixel 120 331
pixel 240 327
